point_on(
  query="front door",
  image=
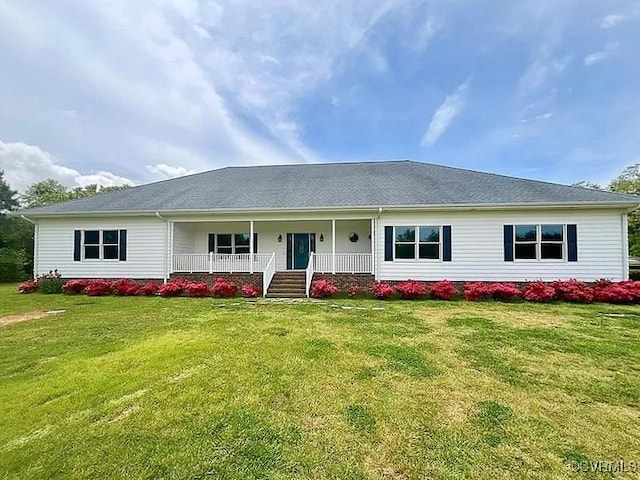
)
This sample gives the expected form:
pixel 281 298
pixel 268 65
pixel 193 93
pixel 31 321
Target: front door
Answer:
pixel 300 250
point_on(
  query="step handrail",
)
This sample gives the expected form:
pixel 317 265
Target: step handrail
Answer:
pixel 268 273
pixel 309 274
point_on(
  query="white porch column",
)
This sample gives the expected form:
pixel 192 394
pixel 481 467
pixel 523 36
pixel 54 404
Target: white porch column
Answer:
pixel 373 246
pixel 171 234
pixel 333 246
pixel 251 252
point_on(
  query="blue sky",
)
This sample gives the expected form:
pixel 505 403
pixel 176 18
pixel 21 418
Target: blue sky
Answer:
pixel 116 91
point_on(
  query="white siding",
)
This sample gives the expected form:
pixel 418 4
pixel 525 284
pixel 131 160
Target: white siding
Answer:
pixel 477 244
pixel 477 248
pixel 145 248
pixel 183 238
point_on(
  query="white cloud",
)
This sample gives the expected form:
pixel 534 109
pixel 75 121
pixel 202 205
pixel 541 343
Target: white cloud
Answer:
pixel 594 57
pixel 169 171
pixel 445 114
pixel 544 68
pixel 611 21
pixel 26 164
pixel 601 55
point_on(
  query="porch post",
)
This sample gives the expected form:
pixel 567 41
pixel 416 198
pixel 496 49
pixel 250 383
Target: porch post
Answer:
pixel 373 244
pixel 333 246
pixel 171 235
pixel 251 252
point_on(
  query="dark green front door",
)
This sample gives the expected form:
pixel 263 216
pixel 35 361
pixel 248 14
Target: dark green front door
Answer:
pixel 300 250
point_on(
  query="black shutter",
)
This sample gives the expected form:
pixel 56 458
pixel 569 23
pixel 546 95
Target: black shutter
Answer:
pixel 77 245
pixel 255 242
pixel 508 243
pixel 123 246
pixel 572 243
pixel 289 251
pixel 446 243
pixel 212 242
pixel 388 244
pixel 312 242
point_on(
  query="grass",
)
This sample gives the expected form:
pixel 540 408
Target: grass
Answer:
pixel 229 389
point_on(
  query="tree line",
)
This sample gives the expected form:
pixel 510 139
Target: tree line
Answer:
pixel 16 234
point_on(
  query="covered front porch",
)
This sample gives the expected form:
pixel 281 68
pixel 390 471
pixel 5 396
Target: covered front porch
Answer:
pixel 325 246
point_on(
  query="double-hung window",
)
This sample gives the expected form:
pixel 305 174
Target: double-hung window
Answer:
pixel 230 243
pixel 417 242
pixel 101 244
pixel 539 242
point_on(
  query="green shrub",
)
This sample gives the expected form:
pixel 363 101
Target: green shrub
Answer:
pixel 12 265
pixel 50 282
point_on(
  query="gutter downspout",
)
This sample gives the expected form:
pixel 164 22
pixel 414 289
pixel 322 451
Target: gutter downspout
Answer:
pixel 625 246
pixel 35 244
pixel 166 247
pixel 376 275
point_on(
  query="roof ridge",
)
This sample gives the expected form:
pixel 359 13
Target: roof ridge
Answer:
pixel 511 177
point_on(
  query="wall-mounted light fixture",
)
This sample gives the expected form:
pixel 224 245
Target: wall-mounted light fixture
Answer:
pixel 280 238
pixel 321 237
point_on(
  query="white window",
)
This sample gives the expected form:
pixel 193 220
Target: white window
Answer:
pixel 539 242
pixel 417 242
pixel 101 244
pixel 232 243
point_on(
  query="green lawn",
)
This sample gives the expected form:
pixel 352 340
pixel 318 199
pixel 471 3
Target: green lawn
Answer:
pixel 203 388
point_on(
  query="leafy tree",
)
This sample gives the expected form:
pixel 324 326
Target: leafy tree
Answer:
pixel 8 199
pixel 47 192
pixel 629 182
pixel 586 184
pixel 13 256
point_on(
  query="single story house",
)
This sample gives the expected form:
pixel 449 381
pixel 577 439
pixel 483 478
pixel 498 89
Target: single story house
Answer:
pixel 278 226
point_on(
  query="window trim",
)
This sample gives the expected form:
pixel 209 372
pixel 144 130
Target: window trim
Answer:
pixel 538 243
pixel 100 245
pixel 416 243
pixel 233 245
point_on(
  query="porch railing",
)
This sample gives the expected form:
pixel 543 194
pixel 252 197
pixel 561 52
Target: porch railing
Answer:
pixel 309 273
pixel 268 273
pixel 219 262
pixel 344 263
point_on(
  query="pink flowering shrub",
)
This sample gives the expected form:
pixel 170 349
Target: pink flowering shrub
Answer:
pixel 224 289
pixel 196 289
pixel 250 291
pixel 504 291
pixel 443 290
pixel 538 292
pixel 622 292
pixel 28 287
pixel 174 288
pixel 381 290
pixel 572 291
pixel 476 291
pixel 323 288
pixel 125 287
pixel 150 288
pixel 411 290
pixel 75 286
pixel 98 288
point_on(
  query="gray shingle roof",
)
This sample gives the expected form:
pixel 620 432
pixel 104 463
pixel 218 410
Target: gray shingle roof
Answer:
pixel 389 183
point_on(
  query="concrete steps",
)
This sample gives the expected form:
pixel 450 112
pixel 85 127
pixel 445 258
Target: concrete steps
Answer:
pixel 287 285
